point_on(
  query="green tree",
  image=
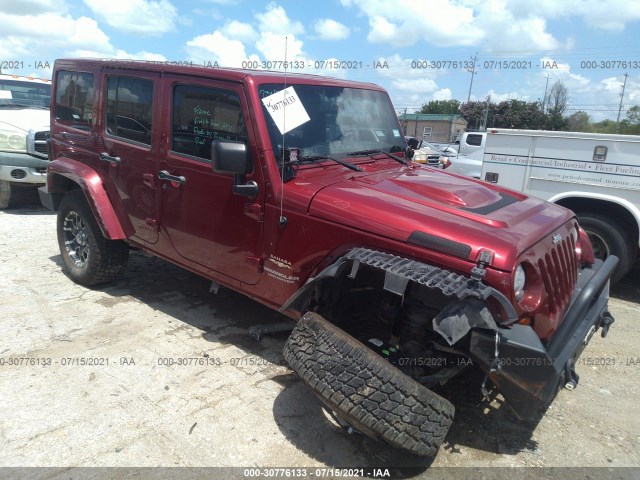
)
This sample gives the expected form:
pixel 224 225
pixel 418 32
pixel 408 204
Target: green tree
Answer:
pixel 633 115
pixel 578 122
pixel 556 105
pixel 472 112
pixel 451 107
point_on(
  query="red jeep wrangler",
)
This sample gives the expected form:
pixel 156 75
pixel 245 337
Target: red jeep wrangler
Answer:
pixel 297 191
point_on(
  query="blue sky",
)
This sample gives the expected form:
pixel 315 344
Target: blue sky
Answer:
pixel 427 45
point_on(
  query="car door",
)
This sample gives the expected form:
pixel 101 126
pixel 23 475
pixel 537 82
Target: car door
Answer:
pixel 206 222
pixel 129 149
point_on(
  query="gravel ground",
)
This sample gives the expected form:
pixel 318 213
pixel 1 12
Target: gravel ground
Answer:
pixel 104 394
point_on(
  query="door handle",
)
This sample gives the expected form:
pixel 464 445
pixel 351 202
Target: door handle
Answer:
pixel 164 175
pixel 105 157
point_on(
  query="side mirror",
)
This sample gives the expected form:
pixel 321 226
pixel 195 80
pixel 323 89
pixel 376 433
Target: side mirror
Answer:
pixel 231 158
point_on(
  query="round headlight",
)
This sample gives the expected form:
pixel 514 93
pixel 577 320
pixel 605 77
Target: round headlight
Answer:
pixel 519 282
pixel 17 142
pixel 4 141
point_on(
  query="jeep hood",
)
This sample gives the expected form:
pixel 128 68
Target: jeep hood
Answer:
pixel 440 211
pixel 24 119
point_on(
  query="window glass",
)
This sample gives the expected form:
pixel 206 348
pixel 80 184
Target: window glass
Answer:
pixel 474 140
pixel 130 108
pixel 74 99
pixel 342 121
pixel 201 115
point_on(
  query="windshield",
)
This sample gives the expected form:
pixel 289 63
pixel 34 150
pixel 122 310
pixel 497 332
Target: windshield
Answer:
pixel 342 121
pixel 29 94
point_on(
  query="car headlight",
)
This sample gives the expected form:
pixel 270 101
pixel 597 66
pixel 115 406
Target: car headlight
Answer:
pixel 519 282
pixel 11 141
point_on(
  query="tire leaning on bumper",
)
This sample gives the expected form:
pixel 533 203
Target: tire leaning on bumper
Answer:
pixel 365 390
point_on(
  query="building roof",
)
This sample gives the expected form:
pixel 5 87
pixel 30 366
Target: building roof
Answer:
pixel 421 117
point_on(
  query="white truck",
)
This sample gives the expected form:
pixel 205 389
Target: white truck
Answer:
pixel 24 130
pixel 595 175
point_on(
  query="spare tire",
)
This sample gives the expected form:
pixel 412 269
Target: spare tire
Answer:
pixel 365 390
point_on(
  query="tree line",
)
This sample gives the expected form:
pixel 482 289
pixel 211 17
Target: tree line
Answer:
pixel 549 114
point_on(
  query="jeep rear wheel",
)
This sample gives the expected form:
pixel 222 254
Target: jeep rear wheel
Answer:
pixel 90 259
pixel 366 391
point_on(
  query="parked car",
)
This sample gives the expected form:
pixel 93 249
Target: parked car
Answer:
pixel 24 129
pixel 400 276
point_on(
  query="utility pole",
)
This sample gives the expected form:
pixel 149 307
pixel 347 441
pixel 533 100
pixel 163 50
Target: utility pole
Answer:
pixel 620 107
pixel 544 102
pixel 485 115
pixel 472 72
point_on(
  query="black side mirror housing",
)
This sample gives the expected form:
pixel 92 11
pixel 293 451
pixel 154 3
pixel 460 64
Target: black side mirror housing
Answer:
pixel 230 158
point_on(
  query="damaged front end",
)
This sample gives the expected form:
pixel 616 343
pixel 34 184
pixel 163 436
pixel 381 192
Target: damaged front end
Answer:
pixel 473 320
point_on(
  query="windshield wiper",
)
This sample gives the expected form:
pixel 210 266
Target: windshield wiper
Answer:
pixel 371 152
pixel 350 166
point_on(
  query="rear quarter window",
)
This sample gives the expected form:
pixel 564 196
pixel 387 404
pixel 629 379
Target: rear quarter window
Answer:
pixel 74 99
pixel 130 108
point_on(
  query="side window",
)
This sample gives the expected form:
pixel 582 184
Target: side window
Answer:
pixel 74 99
pixel 201 115
pixel 130 108
pixel 474 140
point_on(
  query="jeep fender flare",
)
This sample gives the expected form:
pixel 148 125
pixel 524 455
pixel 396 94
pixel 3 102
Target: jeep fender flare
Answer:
pixel 63 173
pixel 453 323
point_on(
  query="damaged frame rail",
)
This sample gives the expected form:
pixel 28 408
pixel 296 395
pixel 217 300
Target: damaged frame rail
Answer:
pixel 528 387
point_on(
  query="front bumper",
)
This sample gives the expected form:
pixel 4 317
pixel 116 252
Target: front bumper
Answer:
pixel 23 168
pixel 529 373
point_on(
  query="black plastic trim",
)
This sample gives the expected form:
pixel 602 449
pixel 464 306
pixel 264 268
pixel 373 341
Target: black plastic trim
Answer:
pixel 433 242
pixel 505 200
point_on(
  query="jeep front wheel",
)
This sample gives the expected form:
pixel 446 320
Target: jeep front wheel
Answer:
pixel 365 390
pixel 90 259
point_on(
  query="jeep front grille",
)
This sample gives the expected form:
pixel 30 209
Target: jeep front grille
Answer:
pixel 559 269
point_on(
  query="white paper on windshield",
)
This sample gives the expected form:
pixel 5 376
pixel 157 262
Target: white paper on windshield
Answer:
pixel 286 109
pixel 5 94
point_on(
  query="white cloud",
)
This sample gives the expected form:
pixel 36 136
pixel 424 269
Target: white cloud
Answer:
pixel 443 94
pixel 25 7
pixel 141 17
pixel 272 46
pixel 45 31
pixel 275 19
pixel 417 85
pixel 329 29
pixel 496 25
pixel 216 47
pixel 240 31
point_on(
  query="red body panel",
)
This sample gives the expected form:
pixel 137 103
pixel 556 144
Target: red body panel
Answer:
pixel 91 184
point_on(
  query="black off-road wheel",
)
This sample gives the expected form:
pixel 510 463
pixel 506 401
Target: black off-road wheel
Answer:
pixel 89 258
pixel 609 238
pixel 364 390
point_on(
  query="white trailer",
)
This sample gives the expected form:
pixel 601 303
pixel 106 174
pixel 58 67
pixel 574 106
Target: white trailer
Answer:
pixel 595 175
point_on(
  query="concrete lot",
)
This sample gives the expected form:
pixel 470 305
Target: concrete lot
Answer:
pixel 92 385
